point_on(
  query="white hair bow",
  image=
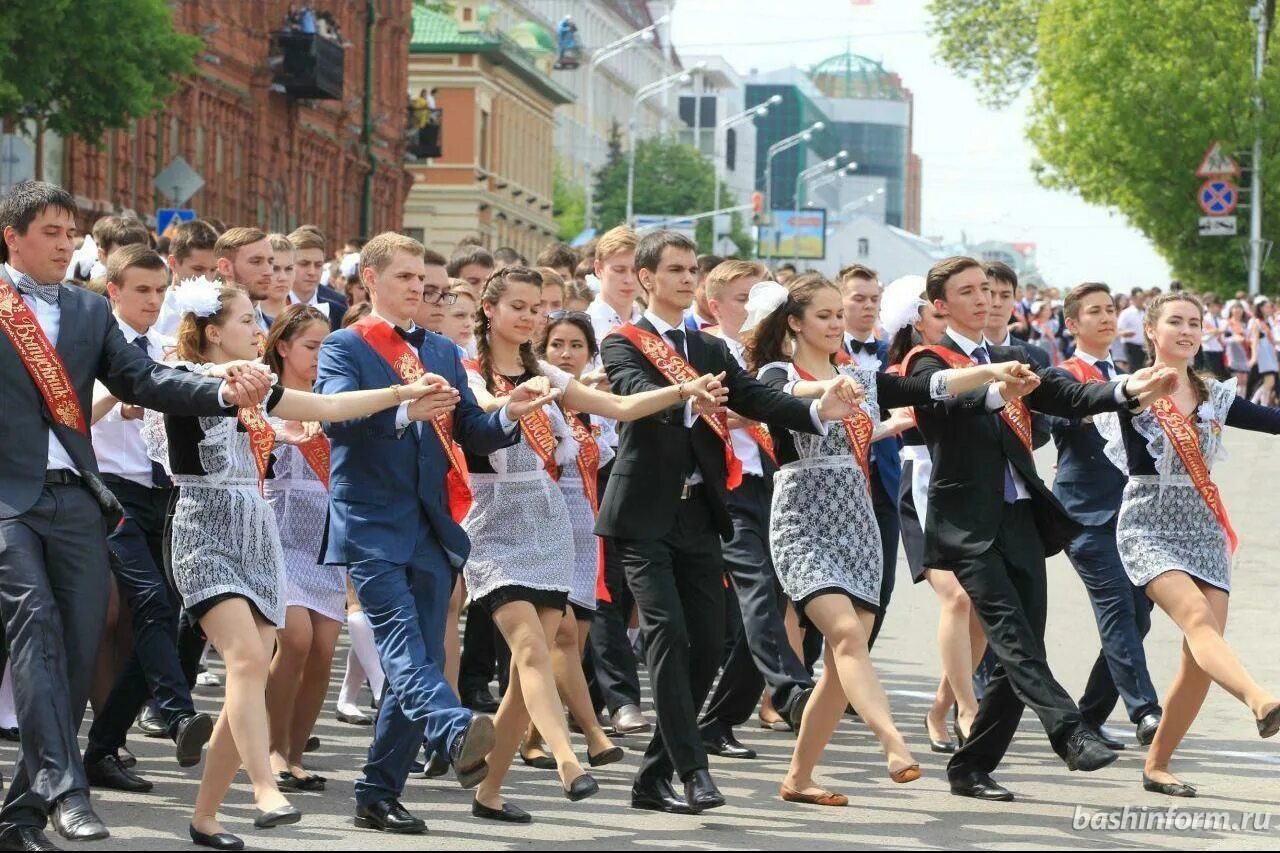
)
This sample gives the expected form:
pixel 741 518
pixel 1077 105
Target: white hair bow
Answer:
pixel 84 259
pixel 350 264
pixel 200 296
pixel 763 299
pixel 900 303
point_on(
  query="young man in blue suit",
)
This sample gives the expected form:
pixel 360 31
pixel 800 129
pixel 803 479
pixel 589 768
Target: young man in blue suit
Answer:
pixel 402 553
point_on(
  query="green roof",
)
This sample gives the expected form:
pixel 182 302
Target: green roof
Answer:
pixel 437 33
pixel 848 75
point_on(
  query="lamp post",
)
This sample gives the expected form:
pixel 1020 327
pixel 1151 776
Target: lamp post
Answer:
pixel 831 164
pixel 607 52
pixel 774 150
pixel 643 93
pixel 824 180
pixel 758 111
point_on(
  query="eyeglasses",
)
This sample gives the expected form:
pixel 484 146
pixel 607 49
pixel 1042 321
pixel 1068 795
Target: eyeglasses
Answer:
pixel 434 296
pixel 555 316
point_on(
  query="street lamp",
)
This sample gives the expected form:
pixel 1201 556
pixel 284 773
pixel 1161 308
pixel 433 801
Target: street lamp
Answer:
pixel 777 148
pixel 678 79
pixel 829 165
pixel 825 180
pixel 758 111
pixel 608 52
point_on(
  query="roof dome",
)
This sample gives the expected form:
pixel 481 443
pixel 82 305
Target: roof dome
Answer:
pixel 533 38
pixel 848 75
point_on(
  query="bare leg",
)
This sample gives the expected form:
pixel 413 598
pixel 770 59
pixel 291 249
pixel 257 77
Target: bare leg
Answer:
pixel 292 645
pixel 313 688
pixel 821 717
pixel 955 649
pixel 452 642
pixel 566 660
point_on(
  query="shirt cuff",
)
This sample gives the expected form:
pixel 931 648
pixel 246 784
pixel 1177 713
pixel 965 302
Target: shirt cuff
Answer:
pixel 402 417
pixel 1120 397
pixel 689 417
pixel 995 400
pixel 817 421
pixel 222 395
pixel 504 421
pixel 938 385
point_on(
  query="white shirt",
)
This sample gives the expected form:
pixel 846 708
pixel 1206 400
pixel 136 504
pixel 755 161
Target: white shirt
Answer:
pixel 744 446
pixel 604 322
pixel 117 442
pixel 50 319
pixel 313 302
pixel 864 360
pixel 1212 343
pixel 1131 321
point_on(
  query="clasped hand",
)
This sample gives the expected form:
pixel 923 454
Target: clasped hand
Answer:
pixel 708 393
pixel 432 396
pixel 1014 379
pixel 841 400
pixel 247 382
pixel 1151 383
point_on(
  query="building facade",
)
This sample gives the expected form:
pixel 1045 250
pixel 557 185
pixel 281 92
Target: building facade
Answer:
pixel 267 158
pixel 711 97
pixel 495 177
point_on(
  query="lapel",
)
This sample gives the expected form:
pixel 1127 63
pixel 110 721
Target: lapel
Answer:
pixel 950 344
pixel 70 311
pixel 696 348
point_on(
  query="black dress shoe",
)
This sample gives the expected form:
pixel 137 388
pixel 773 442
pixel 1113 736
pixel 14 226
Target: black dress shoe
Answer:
pixel 945 747
pixel 657 795
pixel 1169 789
pixel 108 772
pixel 701 793
pixel 1107 740
pixel 1270 723
pixel 980 786
pixel 74 819
pixel 726 746
pixel 480 701
pixel 151 724
pixel 192 734
pixel 960 738
pixel 793 712
pixel 1147 728
pixel 217 841
pixel 468 750
pixel 581 788
pixel 436 767
pixel 10 734
pixel 389 816
pixel 312 744
pixel 1085 752
pixel 507 814
pixel 611 755
pixel 282 816
pixel 21 837
pixel 540 762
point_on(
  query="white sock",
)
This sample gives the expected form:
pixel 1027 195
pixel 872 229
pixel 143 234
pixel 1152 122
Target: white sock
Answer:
pixel 361 633
pixel 8 711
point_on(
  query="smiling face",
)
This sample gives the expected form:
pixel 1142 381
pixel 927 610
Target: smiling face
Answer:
pixel 567 348
pixel 821 325
pixel 235 335
pixel 1176 331
pixel 514 317
pixel 670 287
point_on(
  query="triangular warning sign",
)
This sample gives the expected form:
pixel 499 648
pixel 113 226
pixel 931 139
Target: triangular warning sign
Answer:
pixel 1216 163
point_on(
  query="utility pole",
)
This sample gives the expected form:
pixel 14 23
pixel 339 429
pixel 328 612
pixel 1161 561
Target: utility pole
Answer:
pixel 1259 15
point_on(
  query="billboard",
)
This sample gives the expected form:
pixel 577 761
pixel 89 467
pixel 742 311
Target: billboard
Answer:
pixel 799 234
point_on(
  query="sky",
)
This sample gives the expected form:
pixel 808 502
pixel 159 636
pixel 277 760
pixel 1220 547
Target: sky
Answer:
pixel 977 161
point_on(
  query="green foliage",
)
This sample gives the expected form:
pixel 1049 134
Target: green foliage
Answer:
pixel 1126 95
pixel 87 66
pixel 569 205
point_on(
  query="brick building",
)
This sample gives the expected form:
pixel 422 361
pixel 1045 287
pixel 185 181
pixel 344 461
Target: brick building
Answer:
pixel 267 157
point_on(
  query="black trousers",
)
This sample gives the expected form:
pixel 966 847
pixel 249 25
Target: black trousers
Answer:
pixel 678 583
pixel 1008 589
pixel 759 653
pixel 886 512
pixel 612 662
pixel 53 600
pixel 154 664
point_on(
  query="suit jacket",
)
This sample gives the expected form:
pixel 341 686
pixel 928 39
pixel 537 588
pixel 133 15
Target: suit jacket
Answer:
pixel 656 454
pixel 377 471
pixel 1087 484
pixel 91 347
pixel 970 454
pixel 884 453
pixel 337 305
pixel 1040 429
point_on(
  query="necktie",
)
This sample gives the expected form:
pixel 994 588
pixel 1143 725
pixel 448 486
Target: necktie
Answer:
pixel 981 356
pixel 47 292
pixel 159 477
pixel 1105 368
pixel 414 337
pixel 676 336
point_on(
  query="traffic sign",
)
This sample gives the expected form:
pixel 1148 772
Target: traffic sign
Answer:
pixel 179 182
pixel 168 218
pixel 1217 226
pixel 1218 197
pixel 1216 163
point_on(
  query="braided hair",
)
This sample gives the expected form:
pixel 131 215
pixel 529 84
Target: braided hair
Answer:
pixel 495 286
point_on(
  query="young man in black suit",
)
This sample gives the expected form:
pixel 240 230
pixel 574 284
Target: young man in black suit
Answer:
pixel 664 509
pixel 993 522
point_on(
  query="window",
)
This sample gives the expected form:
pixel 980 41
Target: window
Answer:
pixel 419 234
pixel 484 141
pixel 864 247
pixel 731 149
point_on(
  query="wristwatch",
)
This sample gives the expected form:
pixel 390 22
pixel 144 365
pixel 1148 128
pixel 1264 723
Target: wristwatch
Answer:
pixel 1131 401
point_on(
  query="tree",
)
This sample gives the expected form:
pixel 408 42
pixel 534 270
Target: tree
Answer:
pixel 81 68
pixel 568 206
pixel 1126 95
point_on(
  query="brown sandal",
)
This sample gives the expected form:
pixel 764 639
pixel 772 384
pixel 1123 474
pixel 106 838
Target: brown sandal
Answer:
pixel 826 798
pixel 907 774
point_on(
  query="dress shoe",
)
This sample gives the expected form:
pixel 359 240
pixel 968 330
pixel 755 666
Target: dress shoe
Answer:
pixel 480 700
pixel 612 755
pixel 1270 723
pixel 127 758
pixel 1085 752
pixel 507 814
pixel 10 734
pixel 312 744
pixel 189 740
pixel 468 750
pixel 436 767
pixel 980 786
pixel 1147 728
pixel 701 793
pixel 823 798
pixel 281 816
pixel 582 787
pixel 960 738
pixel 151 724
pixel 540 762
pixel 726 745
pixel 628 720
pixel 1105 738
pixel 217 841
pixel 108 772
pixel 286 781
pixel 1169 789
pixel 20 837
pixel 793 712
pixel 353 716
pixel 74 819
pixel 657 795
pixel 945 747
pixel 902 776
pixel 389 816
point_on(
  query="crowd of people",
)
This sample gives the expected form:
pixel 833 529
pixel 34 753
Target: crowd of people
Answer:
pixel 546 473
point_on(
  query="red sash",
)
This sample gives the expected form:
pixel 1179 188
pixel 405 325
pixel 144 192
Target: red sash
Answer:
pixel 1082 370
pixel 676 370
pixel 41 360
pixel 316 451
pixel 262 439
pixel 589 469
pixel 761 436
pixel 382 338
pixel 1185 439
pixel 858 429
pixel 536 427
pixel 1015 413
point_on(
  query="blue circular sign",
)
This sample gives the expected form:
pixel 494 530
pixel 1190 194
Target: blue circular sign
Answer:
pixel 1218 197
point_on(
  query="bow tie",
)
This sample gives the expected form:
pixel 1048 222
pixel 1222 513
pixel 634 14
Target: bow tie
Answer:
pixel 47 292
pixel 415 338
pixel 869 347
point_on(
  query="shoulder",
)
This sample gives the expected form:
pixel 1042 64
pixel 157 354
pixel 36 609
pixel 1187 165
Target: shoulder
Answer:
pixel 342 338
pixel 776 369
pixel 94 303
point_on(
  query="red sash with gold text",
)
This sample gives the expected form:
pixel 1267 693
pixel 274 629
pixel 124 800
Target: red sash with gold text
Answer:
pixel 1082 370
pixel 1015 413
pixel 858 429
pixel 262 439
pixel 316 451
pixel 536 427
pixel 382 338
pixel 41 360
pixel 1185 439
pixel 676 370
pixel 589 469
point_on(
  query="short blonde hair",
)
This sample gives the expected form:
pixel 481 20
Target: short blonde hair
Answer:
pixel 727 271
pixel 379 251
pixel 281 243
pixel 615 240
pixel 234 239
pixel 307 237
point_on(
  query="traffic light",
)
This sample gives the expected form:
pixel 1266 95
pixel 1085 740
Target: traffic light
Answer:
pixel 757 207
